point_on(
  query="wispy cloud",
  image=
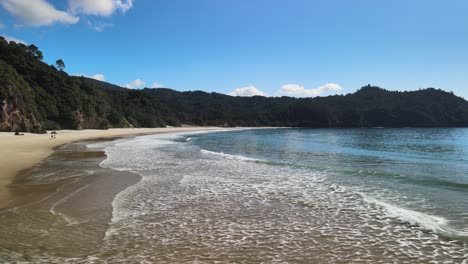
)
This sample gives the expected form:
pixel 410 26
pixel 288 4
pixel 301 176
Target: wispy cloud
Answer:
pixel 157 85
pixel 99 26
pixel 37 13
pixel 138 84
pixel 10 38
pixel 99 7
pixel 247 91
pixel 135 84
pixel 300 91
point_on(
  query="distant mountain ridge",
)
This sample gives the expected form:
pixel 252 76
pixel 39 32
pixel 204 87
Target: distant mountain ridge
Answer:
pixel 35 96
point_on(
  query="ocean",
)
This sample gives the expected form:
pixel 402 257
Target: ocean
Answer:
pixel 268 196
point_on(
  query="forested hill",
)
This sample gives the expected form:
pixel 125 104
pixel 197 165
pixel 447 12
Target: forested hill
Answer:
pixel 35 96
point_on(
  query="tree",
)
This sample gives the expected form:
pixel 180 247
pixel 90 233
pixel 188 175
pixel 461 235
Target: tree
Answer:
pixel 60 64
pixel 35 51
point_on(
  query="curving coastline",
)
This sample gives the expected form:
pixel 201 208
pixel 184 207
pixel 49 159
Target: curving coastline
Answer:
pixel 19 153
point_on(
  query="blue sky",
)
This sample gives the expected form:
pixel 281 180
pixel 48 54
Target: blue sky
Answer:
pixel 274 47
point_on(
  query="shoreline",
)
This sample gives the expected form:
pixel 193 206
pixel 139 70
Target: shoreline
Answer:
pixel 67 194
pixel 20 153
pixel 162 198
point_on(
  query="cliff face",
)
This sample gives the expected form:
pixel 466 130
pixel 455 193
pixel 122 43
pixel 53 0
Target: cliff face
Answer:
pixel 90 122
pixel 18 109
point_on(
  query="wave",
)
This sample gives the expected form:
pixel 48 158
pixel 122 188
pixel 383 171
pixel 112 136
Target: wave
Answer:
pixel 141 154
pixel 427 181
pixel 229 156
pixel 436 224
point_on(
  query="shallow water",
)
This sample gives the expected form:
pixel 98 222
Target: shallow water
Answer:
pixel 60 209
pixel 285 196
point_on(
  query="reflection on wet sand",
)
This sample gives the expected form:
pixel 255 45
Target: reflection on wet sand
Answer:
pixel 61 207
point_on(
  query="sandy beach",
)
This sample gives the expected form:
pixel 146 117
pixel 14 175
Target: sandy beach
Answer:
pixel 218 197
pixel 22 152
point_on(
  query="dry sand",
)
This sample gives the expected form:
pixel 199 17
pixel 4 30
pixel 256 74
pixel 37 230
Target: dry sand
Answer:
pixel 18 153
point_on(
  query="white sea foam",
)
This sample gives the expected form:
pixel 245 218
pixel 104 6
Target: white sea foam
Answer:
pixel 427 221
pixel 215 200
pixel 103 144
pixel 193 203
pixel 138 155
pixel 436 224
pixel 229 156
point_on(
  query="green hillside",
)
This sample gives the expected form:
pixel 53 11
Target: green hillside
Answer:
pixel 35 96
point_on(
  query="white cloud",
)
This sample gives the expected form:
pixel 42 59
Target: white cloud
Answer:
pixel 42 13
pixel 99 7
pixel 135 84
pixel 99 26
pixel 157 85
pixel 300 91
pixel 99 76
pixel 37 12
pixel 9 38
pixel 247 91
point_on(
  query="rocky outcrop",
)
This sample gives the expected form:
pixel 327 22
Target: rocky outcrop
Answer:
pixel 92 122
pixel 17 107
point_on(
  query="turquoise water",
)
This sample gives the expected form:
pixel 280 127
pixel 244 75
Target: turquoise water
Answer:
pixel 422 170
pixel 292 196
pixel 264 196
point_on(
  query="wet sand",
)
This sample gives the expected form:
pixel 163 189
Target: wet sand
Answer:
pixel 62 206
pixel 20 153
pixel 194 211
pixel 54 197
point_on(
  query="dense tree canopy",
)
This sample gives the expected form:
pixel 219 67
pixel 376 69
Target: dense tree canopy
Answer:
pixel 35 96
